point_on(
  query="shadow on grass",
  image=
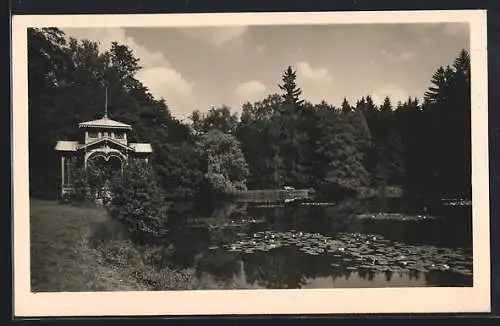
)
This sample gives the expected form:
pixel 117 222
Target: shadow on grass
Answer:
pixel 144 263
pixel 61 257
pixel 80 248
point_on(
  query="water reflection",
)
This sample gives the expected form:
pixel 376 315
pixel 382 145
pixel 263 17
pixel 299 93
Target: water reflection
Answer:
pixel 199 231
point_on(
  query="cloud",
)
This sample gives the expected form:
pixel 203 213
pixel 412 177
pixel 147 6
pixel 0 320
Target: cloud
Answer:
pixel 217 36
pixel 166 82
pixel 105 36
pixel 157 74
pixel 317 75
pixel 403 56
pixel 395 94
pixel 315 82
pixel 250 90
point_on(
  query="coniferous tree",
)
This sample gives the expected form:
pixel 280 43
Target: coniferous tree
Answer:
pixel 447 103
pixel 292 138
pixel 386 107
pixel 284 139
pixel 346 107
pixel 361 104
pixel 291 95
pixel 369 105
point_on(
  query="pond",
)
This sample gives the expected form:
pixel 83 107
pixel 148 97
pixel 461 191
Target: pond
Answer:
pixel 353 243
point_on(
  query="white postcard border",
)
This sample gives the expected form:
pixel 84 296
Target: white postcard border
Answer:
pixel 212 302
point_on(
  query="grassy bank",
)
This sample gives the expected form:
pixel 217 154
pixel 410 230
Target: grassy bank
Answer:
pixel 82 249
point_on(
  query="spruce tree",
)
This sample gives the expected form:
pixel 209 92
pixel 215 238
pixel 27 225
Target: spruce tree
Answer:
pixel 289 87
pixel 346 107
pixel 386 106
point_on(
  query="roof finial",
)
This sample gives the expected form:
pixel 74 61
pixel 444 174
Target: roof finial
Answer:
pixel 106 104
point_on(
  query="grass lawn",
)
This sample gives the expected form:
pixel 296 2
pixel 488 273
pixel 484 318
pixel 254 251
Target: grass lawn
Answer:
pixel 62 258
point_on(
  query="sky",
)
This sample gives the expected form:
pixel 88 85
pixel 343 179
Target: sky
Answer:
pixel 197 68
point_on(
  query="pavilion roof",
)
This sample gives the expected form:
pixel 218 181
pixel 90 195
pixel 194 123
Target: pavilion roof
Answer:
pixel 67 145
pixel 141 147
pixel 105 122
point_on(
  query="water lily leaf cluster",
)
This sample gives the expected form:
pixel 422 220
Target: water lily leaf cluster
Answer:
pixel 394 216
pixel 231 223
pixel 361 251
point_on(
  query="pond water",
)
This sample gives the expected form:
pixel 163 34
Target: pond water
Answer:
pixel 354 243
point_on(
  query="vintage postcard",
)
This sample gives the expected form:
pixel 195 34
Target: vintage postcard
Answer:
pixel 271 163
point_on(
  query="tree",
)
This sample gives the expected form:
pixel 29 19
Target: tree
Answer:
pixel 346 107
pixel 284 140
pixel 414 141
pixel 370 106
pixel 139 203
pixel 361 104
pixel 289 87
pixel 123 62
pixel 440 90
pixel 362 132
pixel 386 106
pixel 68 79
pixel 259 135
pixel 292 137
pixel 224 164
pixel 221 119
pixel 48 64
pixel 339 166
pixel 462 66
pixel 446 130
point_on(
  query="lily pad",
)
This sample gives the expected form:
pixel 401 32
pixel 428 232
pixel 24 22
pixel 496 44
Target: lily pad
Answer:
pixel 357 249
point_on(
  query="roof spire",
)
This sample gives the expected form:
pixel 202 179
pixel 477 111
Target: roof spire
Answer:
pixel 106 105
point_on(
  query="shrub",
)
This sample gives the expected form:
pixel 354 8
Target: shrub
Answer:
pixel 139 203
pixel 81 189
pixel 89 183
pixel 225 167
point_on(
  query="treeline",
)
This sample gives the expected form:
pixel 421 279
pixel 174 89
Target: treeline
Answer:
pixel 422 146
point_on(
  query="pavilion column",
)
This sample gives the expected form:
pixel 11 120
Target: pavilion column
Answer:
pixel 62 175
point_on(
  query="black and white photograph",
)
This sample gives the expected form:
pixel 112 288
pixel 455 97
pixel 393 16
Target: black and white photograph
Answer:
pixel 260 156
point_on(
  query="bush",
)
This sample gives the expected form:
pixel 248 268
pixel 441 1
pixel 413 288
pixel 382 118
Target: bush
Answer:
pixel 224 163
pixel 139 203
pixel 142 262
pixel 81 189
pixel 89 183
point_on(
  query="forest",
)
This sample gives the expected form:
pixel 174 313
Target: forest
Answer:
pixel 421 145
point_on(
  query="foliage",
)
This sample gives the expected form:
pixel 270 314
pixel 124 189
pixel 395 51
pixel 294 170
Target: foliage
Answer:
pixel 224 164
pixel 289 87
pixel 81 191
pixel 67 81
pixel 447 103
pixel 282 140
pixel 346 107
pixel 139 203
pixel 258 132
pixel 90 182
pixel 220 119
pixel 338 161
